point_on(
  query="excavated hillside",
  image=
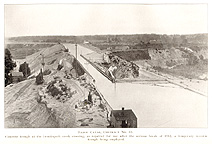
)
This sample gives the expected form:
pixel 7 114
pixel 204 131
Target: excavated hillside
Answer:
pixel 61 101
pixel 167 57
pixel 177 62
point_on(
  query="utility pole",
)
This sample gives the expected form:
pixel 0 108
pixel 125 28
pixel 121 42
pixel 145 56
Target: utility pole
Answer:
pixel 25 61
pixel 43 63
pixel 76 50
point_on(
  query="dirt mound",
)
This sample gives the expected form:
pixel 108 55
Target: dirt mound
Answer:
pixel 50 56
pixel 125 69
pixel 23 105
pixel 166 57
pixel 23 110
pixel 181 61
pixel 28 105
pixel 53 102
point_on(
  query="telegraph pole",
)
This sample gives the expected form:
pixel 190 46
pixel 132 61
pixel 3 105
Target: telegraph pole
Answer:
pixel 43 63
pixel 76 50
pixel 25 61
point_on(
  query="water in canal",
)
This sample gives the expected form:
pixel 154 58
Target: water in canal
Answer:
pixel 155 105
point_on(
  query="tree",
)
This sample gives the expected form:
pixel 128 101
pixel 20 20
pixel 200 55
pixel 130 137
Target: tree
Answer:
pixel 8 66
pixel 24 68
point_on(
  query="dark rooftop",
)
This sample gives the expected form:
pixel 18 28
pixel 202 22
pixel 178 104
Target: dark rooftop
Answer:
pixel 123 114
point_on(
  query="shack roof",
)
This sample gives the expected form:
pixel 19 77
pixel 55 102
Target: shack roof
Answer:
pixel 123 114
pixel 17 74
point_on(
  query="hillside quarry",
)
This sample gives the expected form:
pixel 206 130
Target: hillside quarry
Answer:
pixel 61 101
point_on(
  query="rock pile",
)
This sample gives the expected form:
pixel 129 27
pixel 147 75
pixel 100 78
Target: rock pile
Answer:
pixel 60 91
pixel 125 69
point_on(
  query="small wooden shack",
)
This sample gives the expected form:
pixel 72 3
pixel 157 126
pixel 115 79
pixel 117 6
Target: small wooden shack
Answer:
pixel 123 119
pixel 17 76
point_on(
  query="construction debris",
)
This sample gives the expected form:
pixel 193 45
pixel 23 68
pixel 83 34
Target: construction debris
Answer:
pixel 39 78
pixel 59 90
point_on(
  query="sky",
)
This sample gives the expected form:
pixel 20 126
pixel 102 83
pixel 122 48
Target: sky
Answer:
pixel 96 19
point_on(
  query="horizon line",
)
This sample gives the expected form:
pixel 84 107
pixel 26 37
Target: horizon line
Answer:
pixel 106 34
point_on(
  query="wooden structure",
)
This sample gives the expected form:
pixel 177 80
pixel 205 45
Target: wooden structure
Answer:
pixel 123 119
pixel 39 78
pixel 17 77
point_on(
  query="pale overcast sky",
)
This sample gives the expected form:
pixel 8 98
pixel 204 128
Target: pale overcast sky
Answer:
pixel 90 19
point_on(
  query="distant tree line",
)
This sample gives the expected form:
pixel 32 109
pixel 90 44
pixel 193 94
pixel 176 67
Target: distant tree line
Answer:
pixel 134 38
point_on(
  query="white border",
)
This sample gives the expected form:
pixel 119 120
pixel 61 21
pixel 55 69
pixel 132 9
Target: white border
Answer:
pixel 145 131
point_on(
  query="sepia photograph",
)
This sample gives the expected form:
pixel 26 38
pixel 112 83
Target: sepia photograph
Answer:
pixel 105 66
